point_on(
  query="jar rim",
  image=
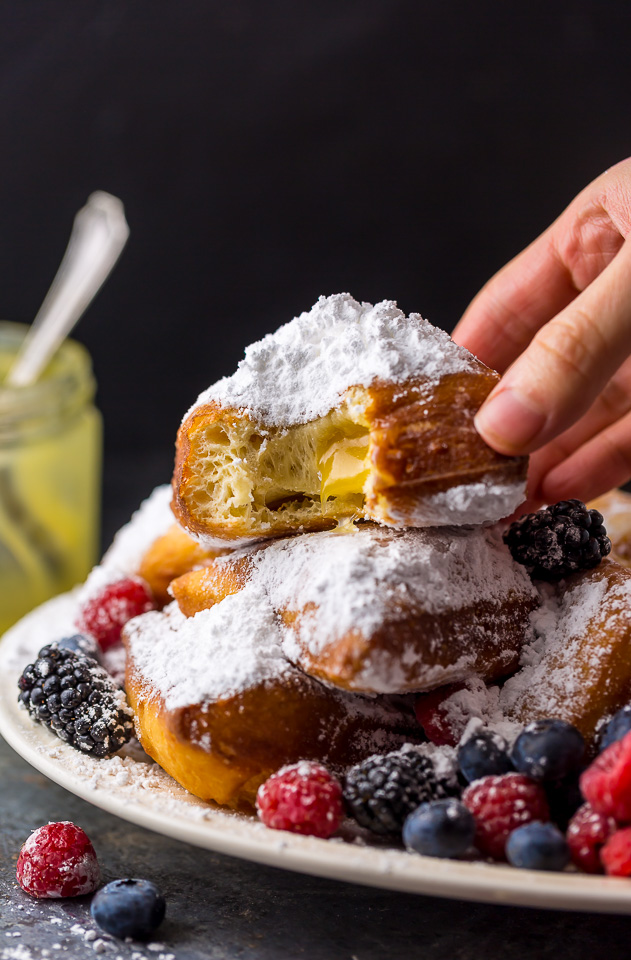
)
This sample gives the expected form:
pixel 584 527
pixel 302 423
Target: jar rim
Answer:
pixel 65 387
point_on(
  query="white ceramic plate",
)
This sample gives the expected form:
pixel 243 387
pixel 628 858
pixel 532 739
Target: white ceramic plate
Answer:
pixel 132 787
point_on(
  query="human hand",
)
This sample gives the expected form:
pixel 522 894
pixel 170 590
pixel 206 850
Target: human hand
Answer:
pixel 556 322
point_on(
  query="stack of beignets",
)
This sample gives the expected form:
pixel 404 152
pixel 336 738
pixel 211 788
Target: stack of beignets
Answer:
pixel 304 647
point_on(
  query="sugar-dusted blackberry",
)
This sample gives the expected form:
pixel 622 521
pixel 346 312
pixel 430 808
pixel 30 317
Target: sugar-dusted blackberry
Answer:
pixel 381 792
pixel 558 540
pixel 75 697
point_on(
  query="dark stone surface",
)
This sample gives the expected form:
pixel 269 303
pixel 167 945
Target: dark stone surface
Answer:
pixel 222 908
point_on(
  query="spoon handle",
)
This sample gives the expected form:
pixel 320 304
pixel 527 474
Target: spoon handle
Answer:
pixel 98 236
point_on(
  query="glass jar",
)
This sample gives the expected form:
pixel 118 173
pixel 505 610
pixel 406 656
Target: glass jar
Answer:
pixel 50 468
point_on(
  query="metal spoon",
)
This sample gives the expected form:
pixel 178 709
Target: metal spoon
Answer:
pixel 98 236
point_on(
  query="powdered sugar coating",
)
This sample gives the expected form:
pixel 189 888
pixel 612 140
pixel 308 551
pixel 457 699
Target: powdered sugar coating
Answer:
pixel 300 372
pixel 219 652
pixel 351 579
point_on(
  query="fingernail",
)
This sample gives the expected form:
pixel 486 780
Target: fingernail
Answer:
pixel 508 422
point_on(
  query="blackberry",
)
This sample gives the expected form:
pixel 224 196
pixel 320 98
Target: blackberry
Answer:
pixel 381 792
pixel 558 540
pixel 73 696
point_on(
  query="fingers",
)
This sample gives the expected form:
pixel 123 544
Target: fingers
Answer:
pixel 602 463
pixel 540 282
pixel 503 318
pixel 569 361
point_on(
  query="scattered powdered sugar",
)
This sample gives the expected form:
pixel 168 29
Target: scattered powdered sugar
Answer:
pixel 300 372
pixel 231 647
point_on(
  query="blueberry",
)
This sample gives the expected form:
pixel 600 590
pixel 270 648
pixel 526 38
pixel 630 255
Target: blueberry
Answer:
pixel 79 643
pixel 618 726
pixel 129 908
pixel 441 828
pixel 548 750
pixel 484 754
pixel 537 846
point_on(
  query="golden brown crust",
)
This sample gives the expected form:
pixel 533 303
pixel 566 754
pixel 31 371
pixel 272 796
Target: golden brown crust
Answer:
pixel 422 443
pixel 424 650
pixel 223 750
pixel 416 455
pixel 170 556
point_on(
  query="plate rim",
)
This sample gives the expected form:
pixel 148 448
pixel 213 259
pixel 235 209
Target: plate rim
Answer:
pixel 379 867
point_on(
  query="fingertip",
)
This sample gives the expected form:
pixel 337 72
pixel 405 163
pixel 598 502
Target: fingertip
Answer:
pixel 509 423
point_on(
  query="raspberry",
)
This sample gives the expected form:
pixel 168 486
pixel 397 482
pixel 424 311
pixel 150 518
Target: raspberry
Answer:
pixel 558 540
pixel 500 804
pixel 616 854
pixel 586 834
pixel 606 784
pixel 58 860
pixel 303 798
pixel 434 717
pixel 104 615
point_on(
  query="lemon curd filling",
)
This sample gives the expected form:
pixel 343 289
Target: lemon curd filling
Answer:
pixel 319 468
pixel 343 467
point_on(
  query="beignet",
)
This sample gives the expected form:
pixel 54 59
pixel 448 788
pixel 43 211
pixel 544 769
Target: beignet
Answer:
pixel 220 708
pixel 380 610
pixel 349 411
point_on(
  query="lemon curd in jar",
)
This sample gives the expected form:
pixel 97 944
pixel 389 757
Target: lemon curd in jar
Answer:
pixel 50 464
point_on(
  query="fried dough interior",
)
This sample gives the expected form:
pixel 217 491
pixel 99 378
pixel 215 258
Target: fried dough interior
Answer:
pixel 238 471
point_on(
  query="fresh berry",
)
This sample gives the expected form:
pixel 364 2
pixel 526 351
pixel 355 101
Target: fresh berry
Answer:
pixel 82 644
pixel 606 784
pixel 442 828
pixel 538 846
pixel 444 713
pixel 616 728
pixel 104 615
pixel 58 860
pixel 564 798
pixel 77 700
pixel 500 805
pixel 558 540
pixel 303 798
pixel 129 908
pixel 548 749
pixel 586 834
pixel 616 854
pixel 484 754
pixel 381 792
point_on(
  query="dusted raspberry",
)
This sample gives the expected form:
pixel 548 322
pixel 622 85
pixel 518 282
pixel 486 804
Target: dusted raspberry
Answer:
pixel 616 854
pixel 586 834
pixel 104 615
pixel 58 860
pixel 433 715
pixel 303 798
pixel 606 784
pixel 500 805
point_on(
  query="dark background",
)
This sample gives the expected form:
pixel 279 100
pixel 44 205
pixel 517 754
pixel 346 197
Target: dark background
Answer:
pixel 271 151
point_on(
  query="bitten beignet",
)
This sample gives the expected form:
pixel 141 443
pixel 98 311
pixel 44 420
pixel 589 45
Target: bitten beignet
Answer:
pixel 380 610
pixel 348 411
pixel 220 708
